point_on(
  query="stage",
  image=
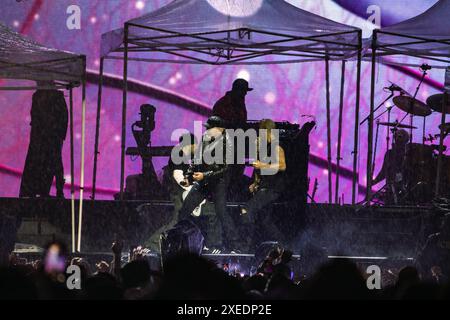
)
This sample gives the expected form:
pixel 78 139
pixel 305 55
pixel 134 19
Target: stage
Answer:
pixel 355 231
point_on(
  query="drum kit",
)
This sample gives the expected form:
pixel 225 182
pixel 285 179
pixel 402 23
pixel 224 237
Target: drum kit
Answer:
pixel 420 163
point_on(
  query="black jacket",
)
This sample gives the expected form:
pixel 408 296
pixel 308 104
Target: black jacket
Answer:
pixel 212 160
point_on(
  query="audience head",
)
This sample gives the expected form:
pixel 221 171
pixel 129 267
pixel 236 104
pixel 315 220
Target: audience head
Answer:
pixel 191 277
pixel 338 279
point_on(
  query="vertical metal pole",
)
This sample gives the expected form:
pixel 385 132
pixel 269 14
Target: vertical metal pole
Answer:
pixel 72 186
pixel 388 131
pixel 376 147
pixel 97 128
pixel 338 155
pixel 83 141
pixel 370 122
pixel 356 137
pixel 423 130
pixel 327 78
pixel 411 123
pixel 441 145
pixel 124 111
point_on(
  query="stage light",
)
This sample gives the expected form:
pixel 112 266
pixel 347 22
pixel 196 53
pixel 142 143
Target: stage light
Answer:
pixel 243 74
pixel 237 8
pixel 368 258
pixel 270 97
pixel 140 5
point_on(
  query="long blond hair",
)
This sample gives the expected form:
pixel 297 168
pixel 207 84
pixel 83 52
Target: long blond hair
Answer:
pixel 268 125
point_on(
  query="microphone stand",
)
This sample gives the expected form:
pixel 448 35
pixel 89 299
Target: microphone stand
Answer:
pixel 415 94
pixel 378 107
pixel 424 73
pixel 388 132
pixel 388 110
pixel 375 149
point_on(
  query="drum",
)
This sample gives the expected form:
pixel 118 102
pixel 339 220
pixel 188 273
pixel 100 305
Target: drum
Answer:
pixel 420 172
pixel 444 188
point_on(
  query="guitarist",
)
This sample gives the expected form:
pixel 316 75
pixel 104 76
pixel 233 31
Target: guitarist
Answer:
pixel 173 181
pixel 266 188
pixel 209 178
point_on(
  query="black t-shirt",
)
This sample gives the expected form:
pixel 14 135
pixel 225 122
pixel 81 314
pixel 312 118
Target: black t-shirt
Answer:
pixel 274 181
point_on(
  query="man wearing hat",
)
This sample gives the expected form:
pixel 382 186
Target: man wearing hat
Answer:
pixel 231 107
pixel 209 179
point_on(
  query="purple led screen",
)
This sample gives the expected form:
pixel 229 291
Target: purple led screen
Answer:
pixel 282 92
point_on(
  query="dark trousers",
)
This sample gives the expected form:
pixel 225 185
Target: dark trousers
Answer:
pixel 258 220
pixel 176 196
pixel 59 173
pixel 222 232
pixel 42 164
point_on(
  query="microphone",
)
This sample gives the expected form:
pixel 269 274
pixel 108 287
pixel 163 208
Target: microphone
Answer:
pixel 394 87
pixel 425 67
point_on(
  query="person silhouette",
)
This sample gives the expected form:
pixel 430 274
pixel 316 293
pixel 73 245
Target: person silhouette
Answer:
pixel 49 119
pixel 231 107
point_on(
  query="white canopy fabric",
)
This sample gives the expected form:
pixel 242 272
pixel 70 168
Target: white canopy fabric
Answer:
pixel 426 35
pixel 231 31
pixel 24 59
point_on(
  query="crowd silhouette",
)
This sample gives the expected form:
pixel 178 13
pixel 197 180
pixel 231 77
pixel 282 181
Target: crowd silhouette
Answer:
pixel 187 276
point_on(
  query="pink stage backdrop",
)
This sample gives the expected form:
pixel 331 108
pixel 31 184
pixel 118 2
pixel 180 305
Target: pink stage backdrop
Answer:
pixel 282 92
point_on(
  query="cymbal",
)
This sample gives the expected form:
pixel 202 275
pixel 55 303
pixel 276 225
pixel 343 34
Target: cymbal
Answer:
pixel 412 106
pixel 435 103
pixel 397 125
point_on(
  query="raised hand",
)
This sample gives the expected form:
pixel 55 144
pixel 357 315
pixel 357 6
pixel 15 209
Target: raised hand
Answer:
pixel 117 247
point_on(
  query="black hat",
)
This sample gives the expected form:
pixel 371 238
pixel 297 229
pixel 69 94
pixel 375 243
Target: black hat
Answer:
pixel 241 84
pixel 215 122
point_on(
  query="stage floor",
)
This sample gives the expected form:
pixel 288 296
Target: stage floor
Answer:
pixel 393 232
